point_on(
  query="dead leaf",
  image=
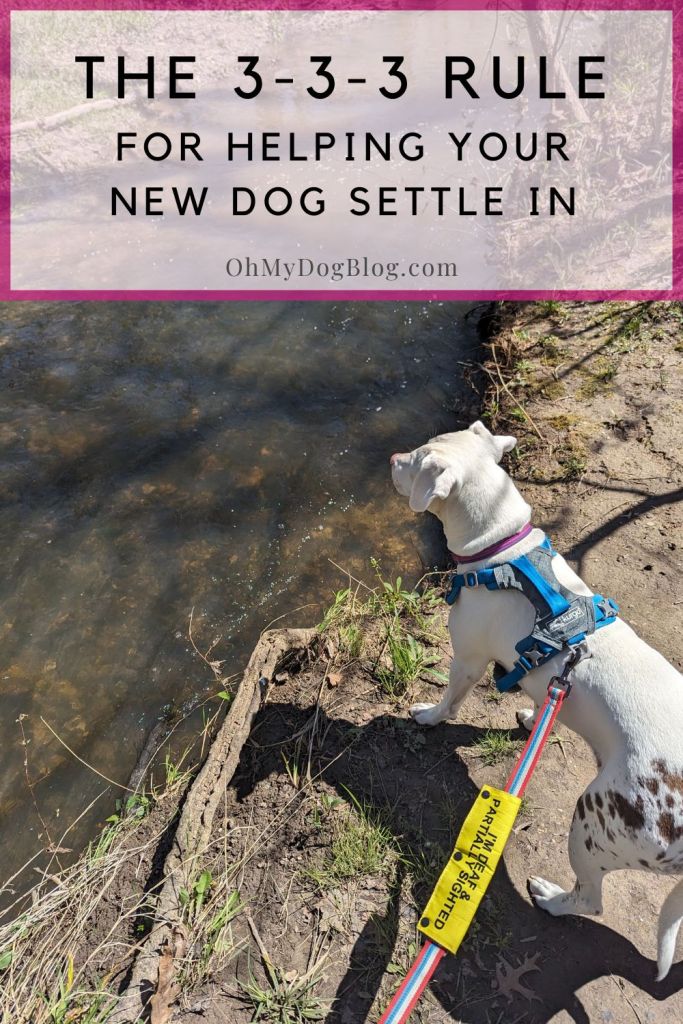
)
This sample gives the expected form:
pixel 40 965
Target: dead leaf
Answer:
pixel 334 679
pixel 508 980
pixel 179 942
pixel 168 989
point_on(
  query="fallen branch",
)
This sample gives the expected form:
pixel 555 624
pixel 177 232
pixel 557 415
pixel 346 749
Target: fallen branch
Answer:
pixel 151 748
pixel 71 114
pixel 540 30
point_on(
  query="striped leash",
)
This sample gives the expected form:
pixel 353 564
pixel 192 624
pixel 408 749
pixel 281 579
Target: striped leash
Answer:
pixel 454 902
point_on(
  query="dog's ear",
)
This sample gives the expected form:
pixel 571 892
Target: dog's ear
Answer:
pixel 434 480
pixel 480 429
pixel 501 443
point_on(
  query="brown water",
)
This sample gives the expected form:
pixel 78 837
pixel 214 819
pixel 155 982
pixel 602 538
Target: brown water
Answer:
pixel 156 458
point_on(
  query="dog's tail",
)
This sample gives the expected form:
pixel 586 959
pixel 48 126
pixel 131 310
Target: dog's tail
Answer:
pixel 670 918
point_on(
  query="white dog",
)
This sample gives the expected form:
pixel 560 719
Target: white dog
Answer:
pixel 626 701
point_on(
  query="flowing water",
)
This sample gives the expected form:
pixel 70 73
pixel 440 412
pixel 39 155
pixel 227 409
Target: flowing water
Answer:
pixel 158 458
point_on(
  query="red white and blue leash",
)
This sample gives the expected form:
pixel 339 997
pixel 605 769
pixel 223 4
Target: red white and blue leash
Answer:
pixel 429 957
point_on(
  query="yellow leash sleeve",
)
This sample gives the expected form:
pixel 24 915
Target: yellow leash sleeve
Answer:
pixel 470 868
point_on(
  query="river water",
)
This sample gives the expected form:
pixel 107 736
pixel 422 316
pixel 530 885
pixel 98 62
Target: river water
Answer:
pixel 158 458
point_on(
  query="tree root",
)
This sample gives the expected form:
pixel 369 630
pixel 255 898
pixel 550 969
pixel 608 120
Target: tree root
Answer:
pixel 276 650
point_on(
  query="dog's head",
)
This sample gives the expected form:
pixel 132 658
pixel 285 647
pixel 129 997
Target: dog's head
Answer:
pixel 457 477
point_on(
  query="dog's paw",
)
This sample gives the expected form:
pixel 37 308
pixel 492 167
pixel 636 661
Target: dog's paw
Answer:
pixel 543 893
pixel 424 714
pixel 525 718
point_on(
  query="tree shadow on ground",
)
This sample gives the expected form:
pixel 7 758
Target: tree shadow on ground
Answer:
pixel 422 794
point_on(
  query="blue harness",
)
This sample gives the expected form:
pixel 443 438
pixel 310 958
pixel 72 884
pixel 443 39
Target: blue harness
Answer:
pixel 563 619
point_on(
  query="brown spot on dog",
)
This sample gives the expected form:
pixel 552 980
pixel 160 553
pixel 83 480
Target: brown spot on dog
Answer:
pixel 598 800
pixel 652 785
pixel 670 780
pixel 630 813
pixel 601 819
pixel 668 828
pixel 580 808
pixel 589 803
pixel 669 800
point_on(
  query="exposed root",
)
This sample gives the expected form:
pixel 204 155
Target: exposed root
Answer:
pixel 275 650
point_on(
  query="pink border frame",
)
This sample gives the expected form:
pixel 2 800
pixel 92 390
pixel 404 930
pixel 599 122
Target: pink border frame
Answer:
pixel 7 6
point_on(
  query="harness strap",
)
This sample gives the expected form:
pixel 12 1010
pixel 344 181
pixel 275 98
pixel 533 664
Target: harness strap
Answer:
pixel 563 619
pixel 413 985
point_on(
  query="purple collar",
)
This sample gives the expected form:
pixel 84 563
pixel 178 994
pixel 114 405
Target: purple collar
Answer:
pixel 494 549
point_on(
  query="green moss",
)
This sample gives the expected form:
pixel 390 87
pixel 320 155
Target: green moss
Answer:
pixel 552 352
pixel 563 422
pixel 598 377
pixel 552 390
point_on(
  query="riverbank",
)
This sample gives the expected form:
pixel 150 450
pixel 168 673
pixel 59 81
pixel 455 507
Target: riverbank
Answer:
pixel 289 890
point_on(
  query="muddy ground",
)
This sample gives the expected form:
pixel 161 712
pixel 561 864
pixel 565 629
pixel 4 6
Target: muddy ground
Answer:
pixel 594 392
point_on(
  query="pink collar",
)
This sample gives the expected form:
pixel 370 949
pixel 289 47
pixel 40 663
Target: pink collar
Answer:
pixel 494 549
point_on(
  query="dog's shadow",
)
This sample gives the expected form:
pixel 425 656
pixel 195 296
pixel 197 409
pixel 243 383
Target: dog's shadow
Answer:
pixel 422 791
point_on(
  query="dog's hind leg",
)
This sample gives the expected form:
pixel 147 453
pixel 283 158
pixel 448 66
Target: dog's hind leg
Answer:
pixel 463 674
pixel 670 918
pixel 589 865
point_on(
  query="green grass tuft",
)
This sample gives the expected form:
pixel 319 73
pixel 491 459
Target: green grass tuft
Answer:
pixel 359 847
pixel 351 640
pixel 495 745
pixel 408 659
pixel 288 999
